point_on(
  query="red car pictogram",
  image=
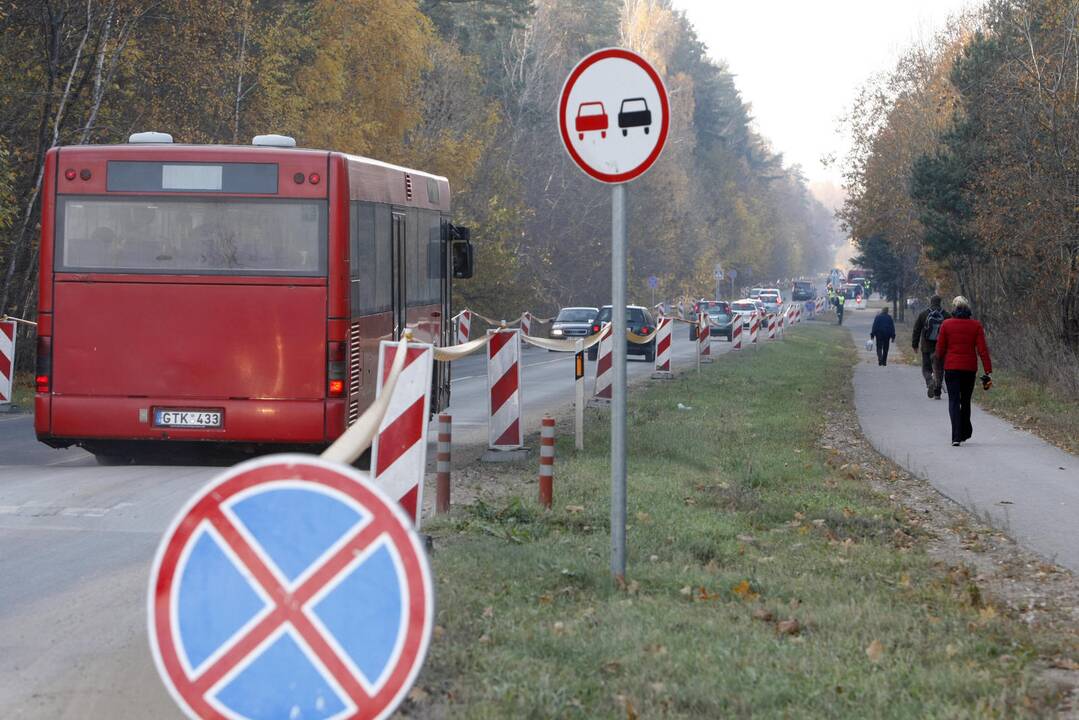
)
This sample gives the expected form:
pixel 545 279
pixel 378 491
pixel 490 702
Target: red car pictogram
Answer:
pixel 591 116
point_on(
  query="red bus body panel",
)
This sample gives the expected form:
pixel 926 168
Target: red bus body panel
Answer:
pixel 254 347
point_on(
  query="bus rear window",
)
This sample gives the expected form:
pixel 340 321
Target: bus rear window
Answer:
pixel 185 236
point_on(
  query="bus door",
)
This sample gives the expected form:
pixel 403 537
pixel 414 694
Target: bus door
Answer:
pixel 400 299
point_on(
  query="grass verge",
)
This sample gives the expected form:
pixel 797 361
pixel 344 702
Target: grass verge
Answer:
pixel 762 581
pixel 22 391
pixel 1034 407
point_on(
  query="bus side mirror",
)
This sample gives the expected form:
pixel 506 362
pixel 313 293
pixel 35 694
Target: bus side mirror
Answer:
pixel 461 247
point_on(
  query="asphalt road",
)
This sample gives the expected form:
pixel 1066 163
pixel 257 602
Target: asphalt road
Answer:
pixel 1028 488
pixel 77 540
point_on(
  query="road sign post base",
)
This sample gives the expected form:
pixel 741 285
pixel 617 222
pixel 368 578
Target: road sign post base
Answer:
pixel 596 402
pixel 505 456
pixel 663 375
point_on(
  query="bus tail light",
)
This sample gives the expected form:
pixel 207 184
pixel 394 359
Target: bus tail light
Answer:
pixel 336 362
pixel 70 174
pixel 43 366
pixel 314 178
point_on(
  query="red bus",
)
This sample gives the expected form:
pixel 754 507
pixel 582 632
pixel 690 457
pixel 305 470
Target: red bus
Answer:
pixel 230 294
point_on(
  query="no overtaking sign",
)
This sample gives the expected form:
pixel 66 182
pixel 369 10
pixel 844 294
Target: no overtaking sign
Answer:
pixel 613 115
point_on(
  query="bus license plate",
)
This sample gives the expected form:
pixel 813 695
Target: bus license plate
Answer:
pixel 165 417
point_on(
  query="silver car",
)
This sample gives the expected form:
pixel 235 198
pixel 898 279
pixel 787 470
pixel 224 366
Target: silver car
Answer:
pixel 573 322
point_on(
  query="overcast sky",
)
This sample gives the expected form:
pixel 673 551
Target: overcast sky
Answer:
pixel 800 62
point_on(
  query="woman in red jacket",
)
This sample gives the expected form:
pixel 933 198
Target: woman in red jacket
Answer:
pixel 961 342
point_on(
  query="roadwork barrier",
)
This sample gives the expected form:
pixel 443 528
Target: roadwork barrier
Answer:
pixel 7 359
pixel 604 364
pixel 662 368
pixel 504 390
pixel 442 464
pixel 546 462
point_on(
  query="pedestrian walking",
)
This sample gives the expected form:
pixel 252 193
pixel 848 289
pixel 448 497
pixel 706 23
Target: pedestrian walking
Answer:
pixel 884 333
pixel 960 344
pixel 840 302
pixel 926 332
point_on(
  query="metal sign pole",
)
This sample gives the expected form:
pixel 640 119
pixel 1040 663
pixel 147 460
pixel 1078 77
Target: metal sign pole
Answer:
pixel 578 361
pixel 618 395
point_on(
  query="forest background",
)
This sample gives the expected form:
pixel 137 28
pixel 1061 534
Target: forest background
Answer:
pixel 463 88
pixel 963 178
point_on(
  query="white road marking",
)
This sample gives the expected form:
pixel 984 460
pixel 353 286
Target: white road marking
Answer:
pixel 36 509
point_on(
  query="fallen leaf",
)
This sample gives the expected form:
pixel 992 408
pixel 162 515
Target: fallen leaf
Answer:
pixel 988 612
pixel 744 591
pixel 657 650
pixel 951 649
pixel 488 612
pixel 633 588
pixel 847 512
pixel 559 628
pixel 657 687
pixel 574 509
pixel 418 694
pixel 1064 663
pixel 485 638
pixel 788 627
pixel 653 558
pixel 904 580
pixel 439 631
pixel 763 614
pixel 611 667
pixel 644 518
pixel 687 591
pixel 875 651
pixel 545 599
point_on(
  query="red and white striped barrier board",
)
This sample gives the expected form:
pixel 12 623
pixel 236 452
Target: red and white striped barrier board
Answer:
pixel 399 451
pixel 605 363
pixel 546 468
pixel 504 398
pixel 7 360
pixel 771 326
pixel 736 333
pixel 754 329
pixel 526 324
pixel 464 326
pixel 705 337
pixel 663 345
pixel 797 315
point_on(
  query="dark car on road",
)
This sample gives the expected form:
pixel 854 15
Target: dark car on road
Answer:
pixel 803 290
pixel 573 322
pixel 639 321
pixel 720 315
pixel 634 113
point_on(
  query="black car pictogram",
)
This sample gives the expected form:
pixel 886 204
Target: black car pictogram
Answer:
pixel 634 113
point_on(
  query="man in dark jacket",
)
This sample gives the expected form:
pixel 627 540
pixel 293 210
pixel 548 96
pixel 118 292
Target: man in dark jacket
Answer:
pixel 884 333
pixel 926 331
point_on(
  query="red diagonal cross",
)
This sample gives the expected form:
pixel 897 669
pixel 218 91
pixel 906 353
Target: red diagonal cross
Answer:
pixel 288 607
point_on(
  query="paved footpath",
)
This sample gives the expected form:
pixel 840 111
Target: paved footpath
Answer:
pixel 1029 488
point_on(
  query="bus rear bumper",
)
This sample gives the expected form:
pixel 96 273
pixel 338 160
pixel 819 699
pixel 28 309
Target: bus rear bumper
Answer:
pixel 68 420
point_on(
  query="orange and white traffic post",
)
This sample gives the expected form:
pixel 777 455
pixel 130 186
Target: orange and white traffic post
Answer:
pixel 546 468
pixel 504 390
pixel 704 336
pixel 464 326
pixel 662 369
pixel 604 363
pixel 7 360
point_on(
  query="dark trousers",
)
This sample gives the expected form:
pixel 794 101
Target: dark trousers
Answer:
pixel 931 371
pixel 882 350
pixel 960 389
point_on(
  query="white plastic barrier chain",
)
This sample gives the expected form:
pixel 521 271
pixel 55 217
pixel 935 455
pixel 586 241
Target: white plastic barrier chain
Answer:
pixel 399 452
pixel 504 390
pixel 605 363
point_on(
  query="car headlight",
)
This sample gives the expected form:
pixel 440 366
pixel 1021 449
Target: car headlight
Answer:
pixel 556 332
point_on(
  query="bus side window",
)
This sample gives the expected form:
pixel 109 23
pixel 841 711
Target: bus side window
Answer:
pixel 362 258
pixel 383 270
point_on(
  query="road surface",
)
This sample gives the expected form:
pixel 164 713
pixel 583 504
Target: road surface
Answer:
pixel 76 542
pixel 1029 488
